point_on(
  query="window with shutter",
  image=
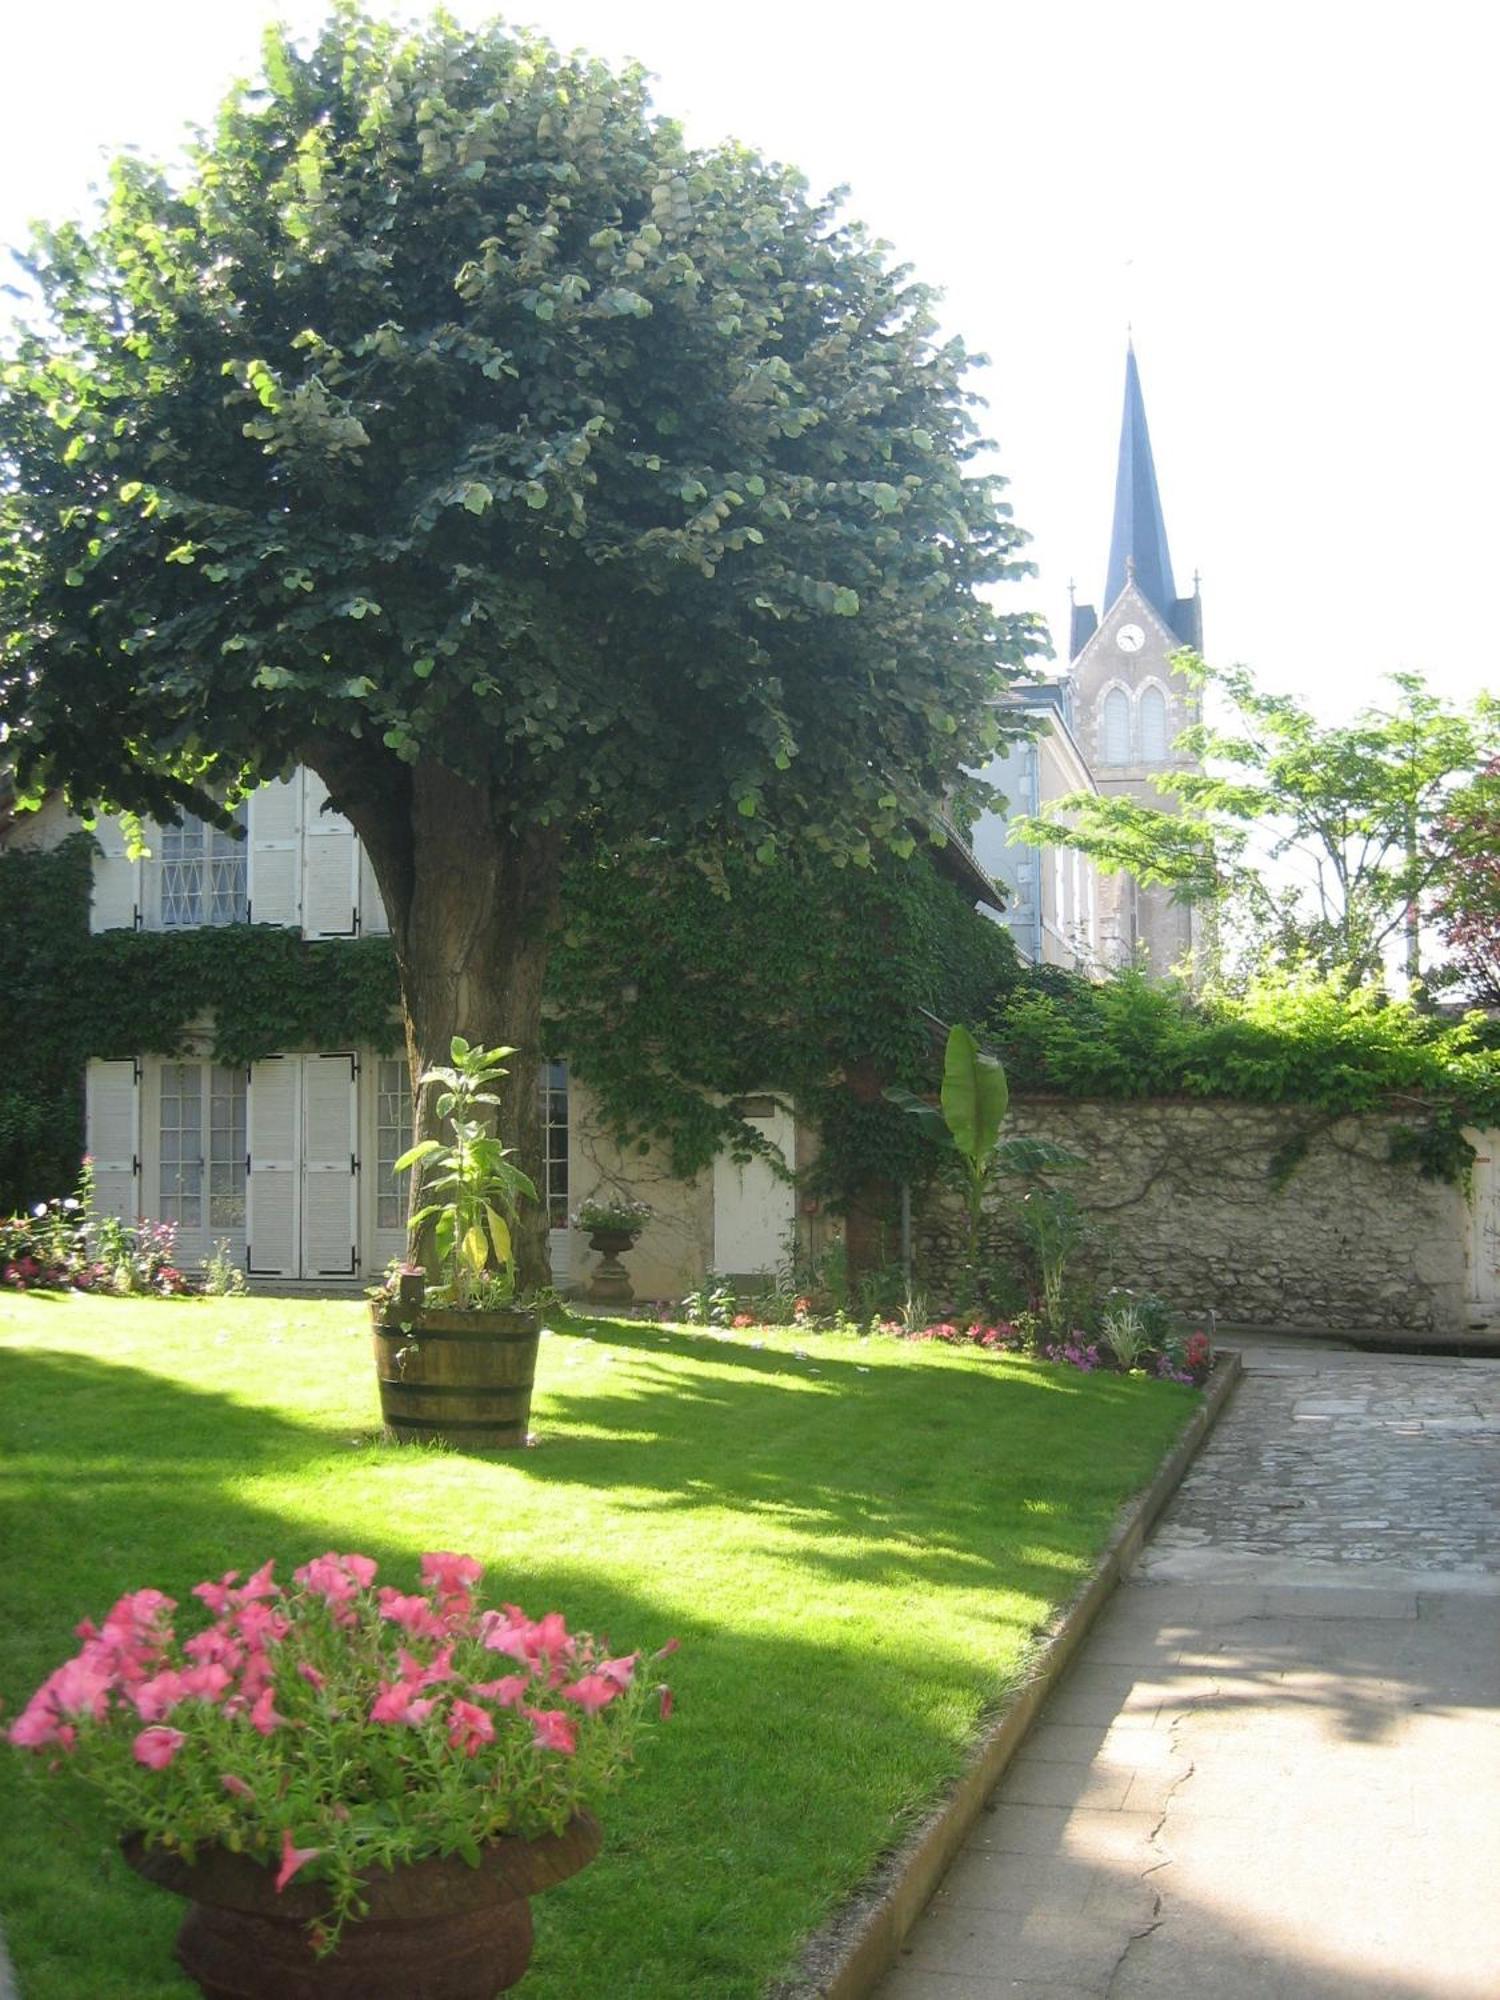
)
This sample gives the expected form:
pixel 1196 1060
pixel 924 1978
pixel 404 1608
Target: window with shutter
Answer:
pixel 1116 732
pixel 116 901
pixel 275 885
pixel 1153 726
pixel 112 1104
pixel 204 874
pixel 330 866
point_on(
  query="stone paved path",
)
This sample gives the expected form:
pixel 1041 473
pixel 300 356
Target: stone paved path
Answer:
pixel 1273 1772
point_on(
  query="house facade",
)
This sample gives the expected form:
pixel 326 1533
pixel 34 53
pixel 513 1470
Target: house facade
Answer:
pixel 288 1162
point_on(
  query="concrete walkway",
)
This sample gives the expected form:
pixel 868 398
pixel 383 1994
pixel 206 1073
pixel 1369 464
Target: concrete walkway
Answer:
pixel 1273 1772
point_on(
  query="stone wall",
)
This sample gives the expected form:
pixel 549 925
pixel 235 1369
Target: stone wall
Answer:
pixel 1185 1196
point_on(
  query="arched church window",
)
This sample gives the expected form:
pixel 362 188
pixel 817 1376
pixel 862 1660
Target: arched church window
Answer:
pixel 1117 727
pixel 1153 726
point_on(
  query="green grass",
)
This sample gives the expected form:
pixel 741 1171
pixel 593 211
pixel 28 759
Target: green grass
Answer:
pixel 854 1541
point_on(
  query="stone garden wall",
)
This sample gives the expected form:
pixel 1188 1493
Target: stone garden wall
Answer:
pixel 1185 1196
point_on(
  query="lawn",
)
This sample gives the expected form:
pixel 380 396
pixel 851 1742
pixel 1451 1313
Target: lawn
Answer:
pixel 854 1541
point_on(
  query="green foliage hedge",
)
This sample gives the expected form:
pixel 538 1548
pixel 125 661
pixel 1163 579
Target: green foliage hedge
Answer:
pixel 1309 1044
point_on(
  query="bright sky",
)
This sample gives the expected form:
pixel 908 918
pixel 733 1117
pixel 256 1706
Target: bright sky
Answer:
pixel 1293 203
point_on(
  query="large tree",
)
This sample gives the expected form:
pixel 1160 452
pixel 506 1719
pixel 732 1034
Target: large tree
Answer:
pixel 1466 893
pixel 447 425
pixel 1303 843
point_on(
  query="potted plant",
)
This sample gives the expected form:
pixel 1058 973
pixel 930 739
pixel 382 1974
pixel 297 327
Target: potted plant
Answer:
pixel 612 1223
pixel 456 1360
pixel 357 1789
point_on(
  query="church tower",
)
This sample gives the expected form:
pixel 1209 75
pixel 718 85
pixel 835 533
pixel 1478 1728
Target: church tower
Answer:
pixel 1129 703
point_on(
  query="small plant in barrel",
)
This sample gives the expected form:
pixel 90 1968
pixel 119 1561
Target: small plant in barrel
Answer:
pixel 456 1359
pixel 474 1180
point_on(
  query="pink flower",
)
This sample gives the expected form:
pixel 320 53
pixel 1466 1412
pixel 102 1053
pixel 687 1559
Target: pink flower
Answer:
pixel 593 1692
pixel 507 1692
pixel 157 1746
pixel 218 1596
pixel 670 1647
pixel 236 1787
pixel 159 1696
pixel 469 1727
pixel 413 1614
pixel 216 1646
pixel 664 1695
pixel 38 1724
pixel 81 1686
pixel 392 1702
pixel 206 1683
pixel 418 1711
pixel 449 1575
pixel 621 1671
pixel 310 1674
pixel 417 1675
pixel 328 1577
pixel 551 1731
pixel 263 1715
pixel 292 1858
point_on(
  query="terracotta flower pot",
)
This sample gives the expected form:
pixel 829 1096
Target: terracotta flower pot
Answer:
pixel 461 1377
pixel 437 1929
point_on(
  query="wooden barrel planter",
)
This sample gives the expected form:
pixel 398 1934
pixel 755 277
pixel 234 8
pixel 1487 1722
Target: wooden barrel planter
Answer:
pixel 461 1377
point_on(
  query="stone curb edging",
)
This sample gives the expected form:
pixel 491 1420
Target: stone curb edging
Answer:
pixel 858 1947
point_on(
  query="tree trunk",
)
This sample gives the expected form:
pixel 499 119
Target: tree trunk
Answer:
pixel 471 906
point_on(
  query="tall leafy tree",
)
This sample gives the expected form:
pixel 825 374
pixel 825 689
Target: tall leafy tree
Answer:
pixel 1466 894
pixel 451 427
pixel 1313 844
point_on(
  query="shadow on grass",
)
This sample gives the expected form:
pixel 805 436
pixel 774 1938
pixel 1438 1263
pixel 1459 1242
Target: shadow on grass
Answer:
pixel 790 1760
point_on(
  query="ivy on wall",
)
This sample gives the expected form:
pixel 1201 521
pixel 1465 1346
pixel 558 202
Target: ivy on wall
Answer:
pixel 670 991
pixel 67 995
pixel 677 991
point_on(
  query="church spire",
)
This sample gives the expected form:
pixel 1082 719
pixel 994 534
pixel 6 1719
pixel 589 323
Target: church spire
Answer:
pixel 1138 544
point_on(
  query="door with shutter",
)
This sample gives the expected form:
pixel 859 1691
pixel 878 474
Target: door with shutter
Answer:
pixel 330 866
pixel 330 1166
pixel 116 900
pixel 275 820
pixel 113 1108
pixel 755 1209
pixel 272 1179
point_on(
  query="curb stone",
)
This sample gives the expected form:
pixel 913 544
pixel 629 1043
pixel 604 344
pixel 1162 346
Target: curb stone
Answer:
pixel 859 1945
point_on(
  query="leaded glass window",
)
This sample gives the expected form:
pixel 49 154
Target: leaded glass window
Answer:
pixel 392 1139
pixel 204 874
pixel 181 1193
pixel 227 1148
pixel 1116 727
pixel 554 1089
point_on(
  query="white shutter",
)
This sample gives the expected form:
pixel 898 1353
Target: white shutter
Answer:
pixel 116 904
pixel 330 866
pixel 373 921
pixel 275 870
pixel 271 1119
pixel 113 1099
pixel 329 1225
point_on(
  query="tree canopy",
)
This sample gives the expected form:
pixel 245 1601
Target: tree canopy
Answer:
pixel 1312 845
pixel 450 426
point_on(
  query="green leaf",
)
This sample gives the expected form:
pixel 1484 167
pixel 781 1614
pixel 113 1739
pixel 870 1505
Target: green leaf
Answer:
pixel 974 1098
pixel 477 496
pixel 423 1150
pixel 845 603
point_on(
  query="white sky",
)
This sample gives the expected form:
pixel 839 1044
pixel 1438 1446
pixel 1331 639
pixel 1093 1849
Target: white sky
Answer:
pixel 1293 203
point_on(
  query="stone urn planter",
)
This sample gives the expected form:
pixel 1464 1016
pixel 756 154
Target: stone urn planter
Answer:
pixel 454 1374
pixel 610 1284
pixel 436 1930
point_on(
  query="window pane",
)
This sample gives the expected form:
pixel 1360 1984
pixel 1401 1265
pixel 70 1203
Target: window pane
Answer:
pixel 1153 726
pixel 553 1084
pixel 1117 727
pixel 392 1139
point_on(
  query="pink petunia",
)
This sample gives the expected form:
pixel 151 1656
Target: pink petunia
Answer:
pixel 210 1682
pixel 292 1858
pixel 551 1731
pixel 215 1646
pixel 236 1787
pixel 259 1625
pixel 413 1671
pixel 81 1687
pixel 263 1715
pixel 158 1696
pixel 413 1614
pixel 311 1675
pixel 450 1575
pixel 157 1746
pixel 664 1696
pixel 507 1692
pixel 592 1692
pixel 392 1702
pixel 469 1727
pixel 621 1671
pixel 218 1596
